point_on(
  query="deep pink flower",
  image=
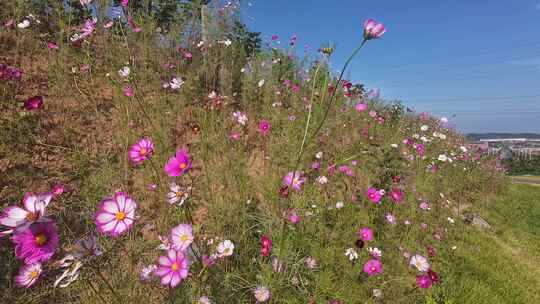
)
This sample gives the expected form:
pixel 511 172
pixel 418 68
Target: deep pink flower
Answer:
pixel 373 267
pixel 124 3
pixel 37 243
pixel 234 136
pixel 28 275
pixel 423 281
pixel 133 25
pixel 141 151
pixel 172 268
pixel 275 37
pixel 33 103
pixel 208 261
pixel 52 46
pixel 58 189
pixel 292 216
pixel 374 195
pixel 116 215
pixel 396 195
pixel 178 164
pixel 266 245
pixel 433 276
pixel 373 29
pixel 346 170
pixel 366 234
pixel 264 127
pixel 294 179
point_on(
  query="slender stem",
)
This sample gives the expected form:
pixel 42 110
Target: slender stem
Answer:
pixel 96 292
pixel 108 285
pixel 336 88
pixel 306 129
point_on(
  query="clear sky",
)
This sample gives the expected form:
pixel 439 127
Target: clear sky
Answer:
pixel 477 59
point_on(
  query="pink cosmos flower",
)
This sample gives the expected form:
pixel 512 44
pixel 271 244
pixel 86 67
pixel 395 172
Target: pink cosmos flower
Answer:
pixel 141 151
pixel 374 195
pixel 373 267
pixel 33 103
pixel 34 211
pixel 37 243
pixel 172 268
pixel 124 3
pixel 28 275
pixel 264 127
pixel 146 273
pixel 240 117
pixel 424 206
pixel 261 294
pixel 178 164
pixel 423 281
pixel 182 237
pixel 128 91
pixel 366 234
pixel 294 180
pixel 234 136
pixel 266 245
pixel 58 189
pixel 311 263
pixel 292 216
pixel 373 29
pixel 361 107
pixel 420 149
pixel 108 24
pixel 420 262
pixel 396 195
pixel 390 218
pixel 116 215
pixel 372 114
pixel 208 261
pixel 346 170
pixel 52 46
pixel 433 276
pixel 133 25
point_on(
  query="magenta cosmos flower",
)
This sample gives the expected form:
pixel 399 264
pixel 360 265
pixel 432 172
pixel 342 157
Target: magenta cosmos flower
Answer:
pixel 179 164
pixel 172 268
pixel 366 234
pixel 374 195
pixel 373 29
pixel 266 245
pixel 182 237
pixel 424 281
pixel 116 215
pixel 396 196
pixel 33 103
pixel 28 275
pixel 141 151
pixel 34 211
pixel 36 243
pixel 264 127
pixel 373 267
pixel 294 180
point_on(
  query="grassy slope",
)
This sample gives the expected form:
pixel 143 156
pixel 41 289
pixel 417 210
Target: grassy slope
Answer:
pixel 503 265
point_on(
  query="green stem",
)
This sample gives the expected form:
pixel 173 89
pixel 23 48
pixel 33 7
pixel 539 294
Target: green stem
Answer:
pixel 336 88
pixel 118 299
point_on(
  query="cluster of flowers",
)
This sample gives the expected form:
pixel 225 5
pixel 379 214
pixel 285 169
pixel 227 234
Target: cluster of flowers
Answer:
pixel 33 233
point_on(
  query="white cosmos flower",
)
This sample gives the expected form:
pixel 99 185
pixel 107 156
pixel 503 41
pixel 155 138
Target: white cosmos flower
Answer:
pixel 351 254
pixel 24 24
pixel 225 248
pixel 444 119
pixel 124 72
pixel 178 195
pixel 463 149
pixel 176 83
pixel 443 157
pixel 319 155
pixel 340 205
pixel 375 252
pixel 261 83
pixel 322 179
pixel 424 128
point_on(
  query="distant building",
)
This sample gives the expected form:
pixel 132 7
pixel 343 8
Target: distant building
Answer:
pixel 506 153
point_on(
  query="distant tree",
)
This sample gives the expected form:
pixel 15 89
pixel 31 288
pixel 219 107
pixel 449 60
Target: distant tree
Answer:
pixel 250 41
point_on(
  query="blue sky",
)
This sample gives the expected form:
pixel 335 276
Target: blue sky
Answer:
pixel 479 60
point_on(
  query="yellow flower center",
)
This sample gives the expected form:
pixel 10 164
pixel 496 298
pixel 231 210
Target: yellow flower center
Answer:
pixel 143 151
pixel 41 239
pixel 174 266
pixel 184 237
pixel 179 194
pixel 34 274
pixel 120 216
pixel 373 269
pixel 183 166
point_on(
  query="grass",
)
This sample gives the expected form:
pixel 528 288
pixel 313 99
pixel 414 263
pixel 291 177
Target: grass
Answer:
pixel 503 264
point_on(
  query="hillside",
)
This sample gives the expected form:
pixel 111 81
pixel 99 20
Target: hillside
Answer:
pixel 216 170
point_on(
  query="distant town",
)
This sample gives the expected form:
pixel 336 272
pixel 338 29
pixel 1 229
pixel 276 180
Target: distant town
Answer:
pixel 523 145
